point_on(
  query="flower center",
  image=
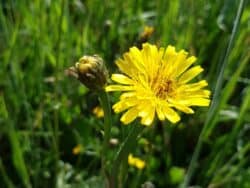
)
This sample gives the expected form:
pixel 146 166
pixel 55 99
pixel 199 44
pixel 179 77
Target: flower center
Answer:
pixel 164 89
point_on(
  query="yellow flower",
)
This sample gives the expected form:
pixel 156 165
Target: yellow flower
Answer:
pixel 147 32
pixel 98 111
pixel 77 149
pixel 156 81
pixel 136 162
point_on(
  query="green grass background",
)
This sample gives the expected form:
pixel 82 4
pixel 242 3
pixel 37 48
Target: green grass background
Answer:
pixel 44 114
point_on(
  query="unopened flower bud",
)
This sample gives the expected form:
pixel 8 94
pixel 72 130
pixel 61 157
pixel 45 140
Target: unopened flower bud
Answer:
pixel 145 35
pixel 91 71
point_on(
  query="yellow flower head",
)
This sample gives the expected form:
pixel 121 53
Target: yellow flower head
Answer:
pixel 156 81
pixel 77 149
pixel 98 111
pixel 136 162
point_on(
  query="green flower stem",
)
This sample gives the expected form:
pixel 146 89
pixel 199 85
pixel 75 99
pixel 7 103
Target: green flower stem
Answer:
pixel 104 100
pixel 122 154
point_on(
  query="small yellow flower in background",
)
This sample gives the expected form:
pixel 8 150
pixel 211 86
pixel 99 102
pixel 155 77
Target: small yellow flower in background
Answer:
pixel 140 164
pixel 147 32
pixel 77 149
pixel 156 81
pixel 131 160
pixel 136 162
pixel 98 111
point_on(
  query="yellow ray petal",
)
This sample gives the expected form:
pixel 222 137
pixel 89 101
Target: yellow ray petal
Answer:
pixel 197 102
pixel 148 117
pixel 133 63
pixel 123 66
pixel 170 52
pixel 128 95
pixel 169 58
pixel 144 107
pixel 149 60
pixel 193 87
pixel 124 104
pixel 122 79
pixel 182 107
pixel 198 94
pixel 180 58
pixel 184 65
pixel 130 115
pixel 119 88
pixel 171 115
pixel 137 57
pixel 190 74
pixel 160 113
